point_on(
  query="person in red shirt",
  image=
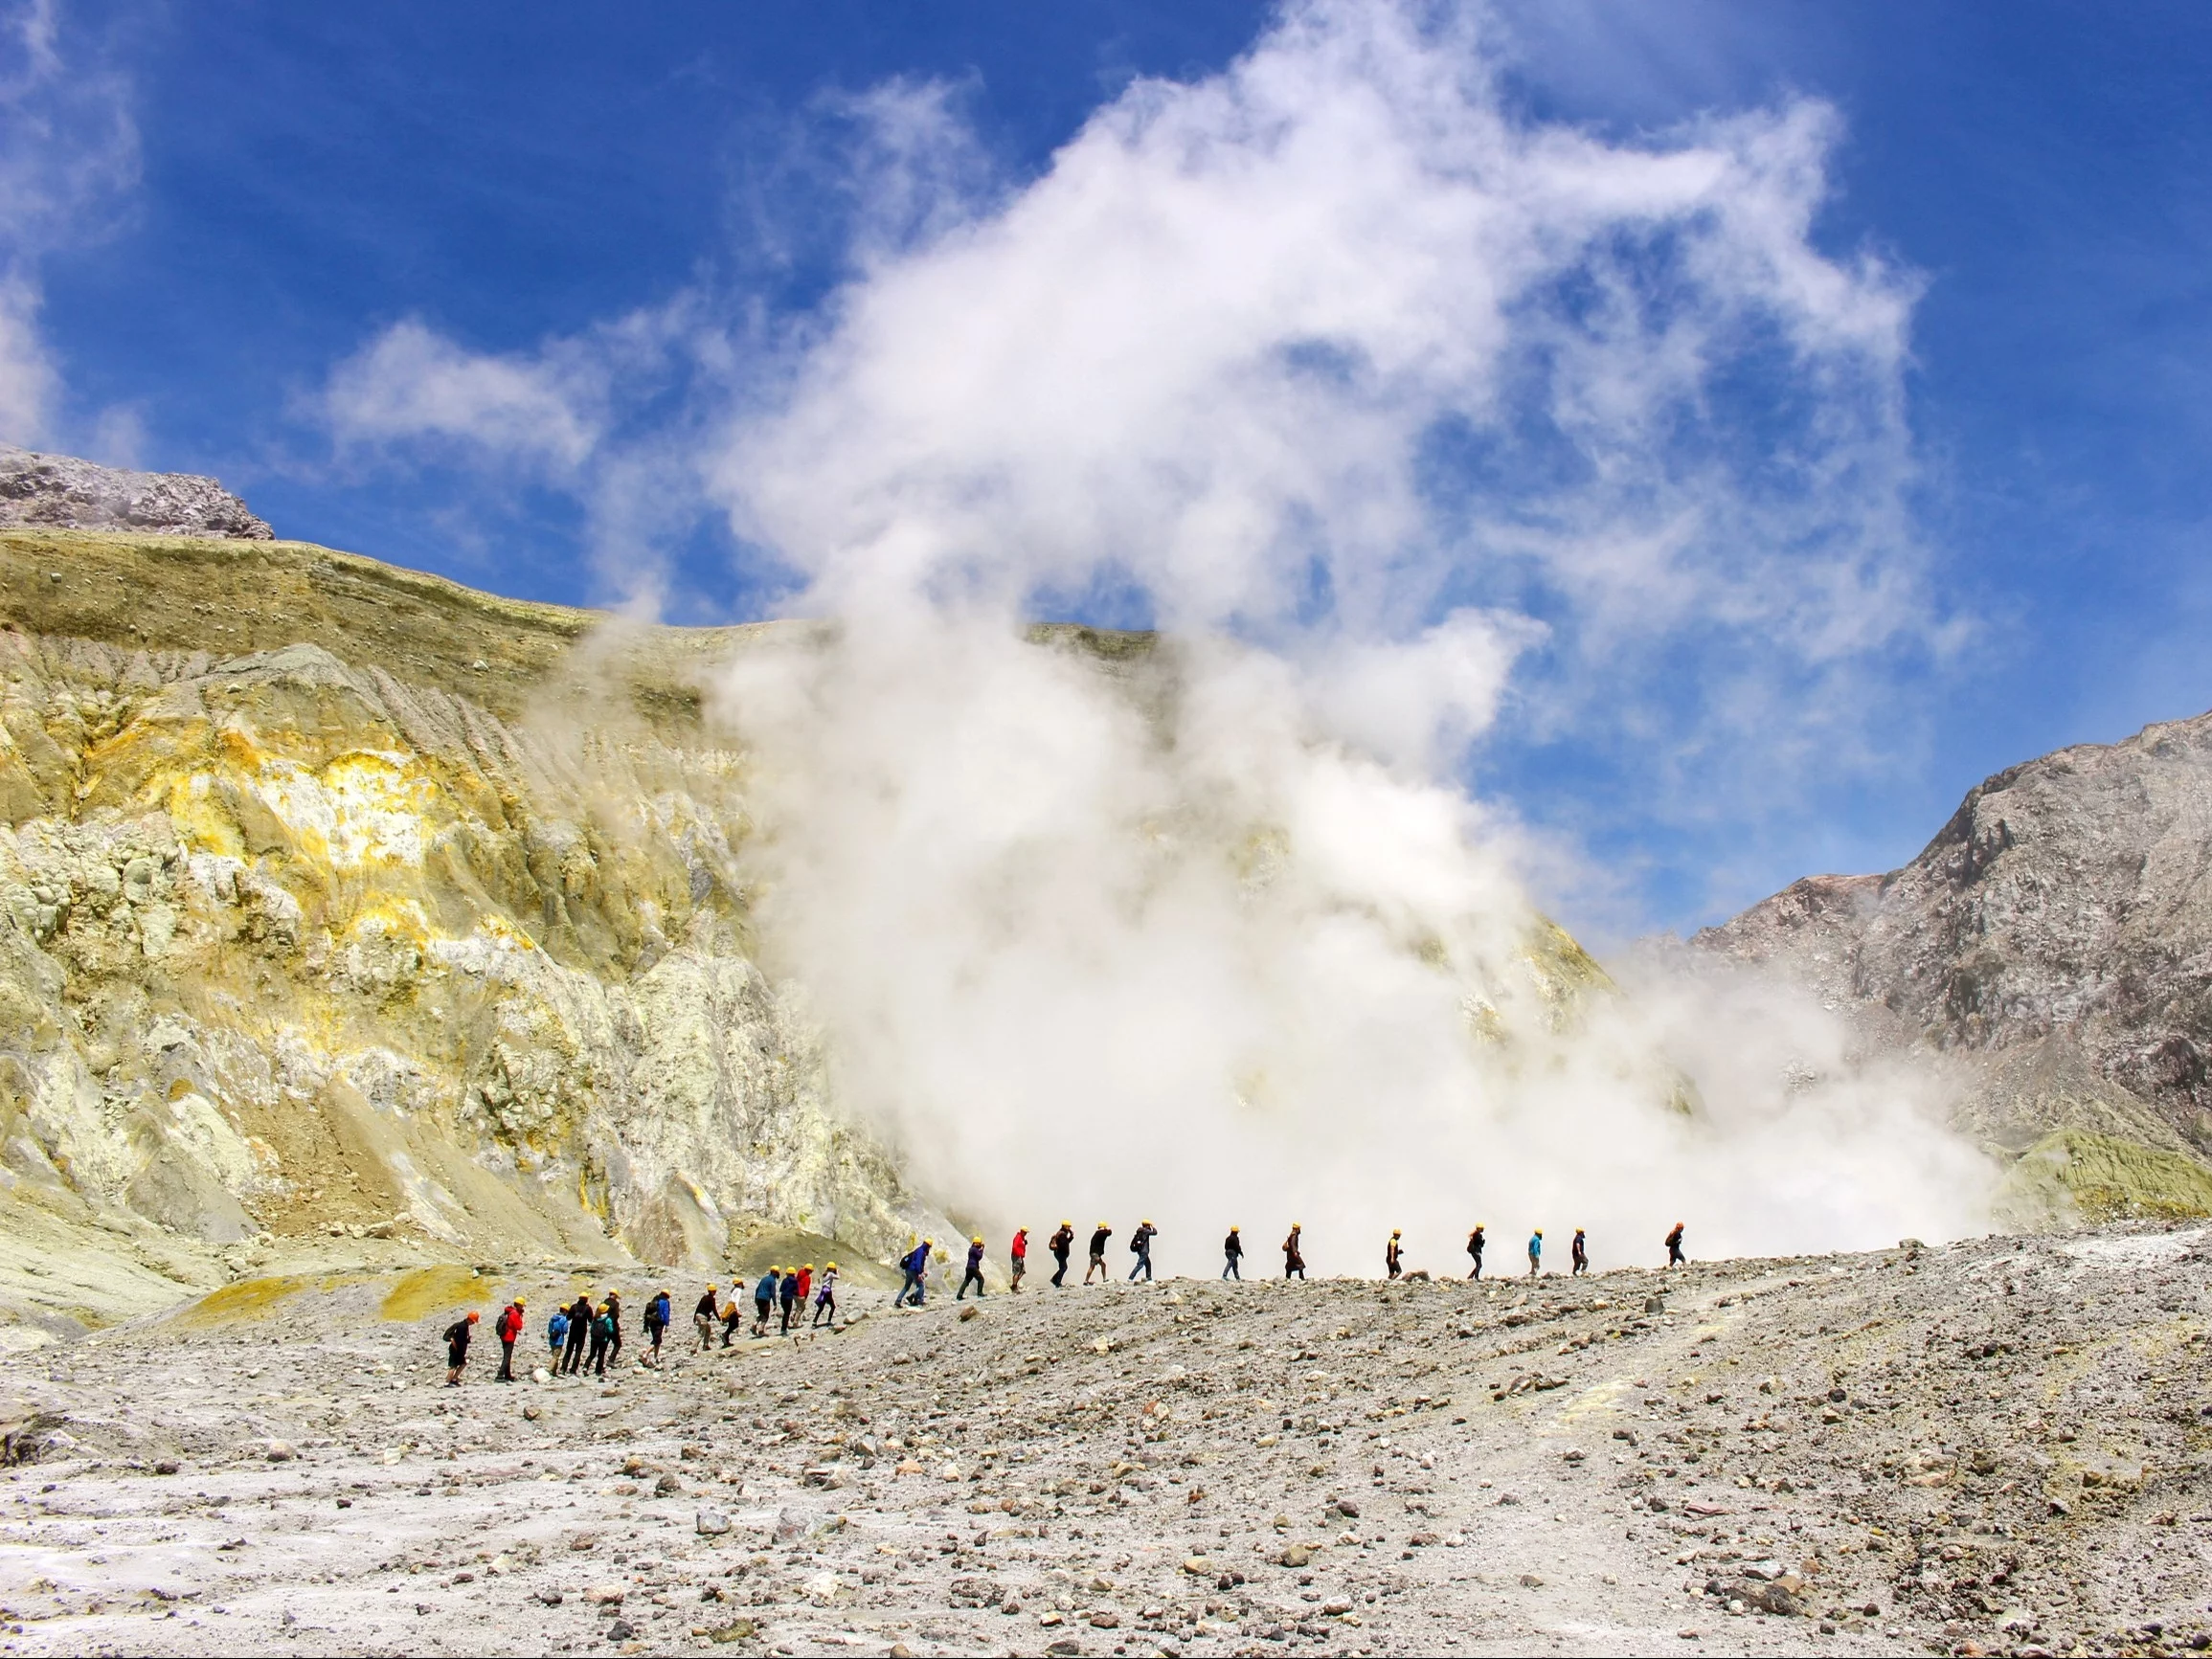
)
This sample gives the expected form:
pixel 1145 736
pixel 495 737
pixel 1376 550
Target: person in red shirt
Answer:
pixel 1021 1255
pixel 805 1285
pixel 507 1328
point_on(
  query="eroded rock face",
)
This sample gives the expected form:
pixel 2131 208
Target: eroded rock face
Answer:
pixel 2056 938
pixel 287 944
pixel 65 492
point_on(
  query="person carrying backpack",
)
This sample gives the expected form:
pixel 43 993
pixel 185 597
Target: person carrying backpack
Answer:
pixel 1060 1243
pixel 456 1336
pixel 916 1267
pixel 1579 1250
pixel 612 1310
pixel 1392 1262
pixel 1140 1247
pixel 733 1317
pixel 1475 1243
pixel 581 1313
pixel 1293 1258
pixel 603 1329
pixel 1674 1256
pixel 1233 1255
pixel 825 1297
pixel 702 1317
pixel 975 1273
pixel 656 1322
pixel 556 1335
pixel 506 1328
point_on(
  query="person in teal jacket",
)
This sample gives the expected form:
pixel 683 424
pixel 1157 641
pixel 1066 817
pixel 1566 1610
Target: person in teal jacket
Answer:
pixel 1535 1253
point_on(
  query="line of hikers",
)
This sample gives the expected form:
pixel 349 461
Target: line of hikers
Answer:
pixel 587 1336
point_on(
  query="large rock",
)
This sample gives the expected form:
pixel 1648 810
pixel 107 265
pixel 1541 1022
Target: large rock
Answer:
pixel 60 490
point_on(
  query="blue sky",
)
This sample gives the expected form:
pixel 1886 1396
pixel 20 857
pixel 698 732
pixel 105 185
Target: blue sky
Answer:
pixel 206 213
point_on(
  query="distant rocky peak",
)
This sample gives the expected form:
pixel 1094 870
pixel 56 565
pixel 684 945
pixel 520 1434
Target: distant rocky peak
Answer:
pixel 62 492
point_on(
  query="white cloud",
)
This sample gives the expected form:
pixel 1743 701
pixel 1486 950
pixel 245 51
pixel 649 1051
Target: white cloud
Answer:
pixel 409 384
pixel 68 156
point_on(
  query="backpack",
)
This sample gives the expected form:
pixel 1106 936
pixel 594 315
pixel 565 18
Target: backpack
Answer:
pixel 556 1328
pixel 1136 1242
pixel 607 1326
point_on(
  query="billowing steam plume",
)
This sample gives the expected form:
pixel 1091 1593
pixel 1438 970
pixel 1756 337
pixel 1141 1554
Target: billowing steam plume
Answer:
pixel 1347 376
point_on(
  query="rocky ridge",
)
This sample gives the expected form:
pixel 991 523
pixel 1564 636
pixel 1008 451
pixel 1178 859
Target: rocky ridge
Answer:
pixel 2052 946
pixel 65 492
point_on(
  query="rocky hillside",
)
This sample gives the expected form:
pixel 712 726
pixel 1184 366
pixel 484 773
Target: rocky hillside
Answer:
pixel 63 491
pixel 336 896
pixel 2053 943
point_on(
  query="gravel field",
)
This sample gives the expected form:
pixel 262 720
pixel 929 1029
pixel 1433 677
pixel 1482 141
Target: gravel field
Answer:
pixel 1995 1447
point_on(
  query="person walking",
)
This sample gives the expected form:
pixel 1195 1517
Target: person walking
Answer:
pixel 1140 1243
pixel 556 1335
pixel 916 1264
pixel 805 1286
pixel 1233 1255
pixel 456 1336
pixel 1017 1257
pixel 1674 1256
pixel 1293 1258
pixel 610 1310
pixel 1099 1253
pixel 508 1327
pixel 732 1315
pixel 1535 1251
pixel 825 1297
pixel 703 1315
pixel 763 1299
pixel 657 1316
pixel 581 1313
pixel 1579 1252
pixel 1060 1243
pixel 1391 1266
pixel 787 1297
pixel 975 1273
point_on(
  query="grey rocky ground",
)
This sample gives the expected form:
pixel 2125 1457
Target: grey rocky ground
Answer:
pixel 1996 1446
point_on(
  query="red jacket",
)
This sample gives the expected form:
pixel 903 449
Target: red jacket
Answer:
pixel 509 1326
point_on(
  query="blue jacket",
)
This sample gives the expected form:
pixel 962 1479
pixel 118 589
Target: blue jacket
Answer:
pixel 975 1257
pixel 765 1290
pixel 1536 1244
pixel 918 1259
pixel 556 1330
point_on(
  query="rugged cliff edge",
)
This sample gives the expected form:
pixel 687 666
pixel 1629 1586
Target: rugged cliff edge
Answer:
pixel 2053 944
pixel 337 897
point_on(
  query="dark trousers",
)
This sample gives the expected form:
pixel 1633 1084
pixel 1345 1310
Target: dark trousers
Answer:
pixel 573 1362
pixel 975 1277
pixel 826 1307
pixel 1060 1273
pixel 789 1302
pixel 1229 1270
pixel 505 1359
pixel 1144 1264
pixel 597 1362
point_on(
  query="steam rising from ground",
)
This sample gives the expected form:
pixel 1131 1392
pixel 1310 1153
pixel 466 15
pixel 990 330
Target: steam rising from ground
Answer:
pixel 1342 372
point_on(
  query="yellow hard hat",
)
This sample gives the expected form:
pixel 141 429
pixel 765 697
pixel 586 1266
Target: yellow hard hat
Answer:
pixel 1101 1224
pixel 833 1267
pixel 1395 1233
pixel 809 1267
pixel 1145 1223
pixel 1236 1230
pixel 709 1287
pixel 519 1303
pixel 1540 1232
pixel 1067 1224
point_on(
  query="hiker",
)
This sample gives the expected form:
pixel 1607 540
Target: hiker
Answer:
pixel 1019 1256
pixel 610 1310
pixel 602 1337
pixel 456 1336
pixel 703 1315
pixel 825 1297
pixel 556 1333
pixel 1231 1255
pixel 788 1295
pixel 1391 1267
pixel 1535 1251
pixel 763 1299
pixel 1294 1261
pixel 1060 1243
pixel 975 1273
pixel 1475 1241
pixel 1099 1253
pixel 580 1316
pixel 916 1266
pixel 1579 1251
pixel 1140 1246
pixel 1674 1256
pixel 733 1317
pixel 657 1313
pixel 506 1328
